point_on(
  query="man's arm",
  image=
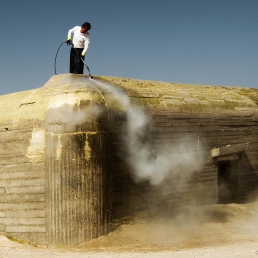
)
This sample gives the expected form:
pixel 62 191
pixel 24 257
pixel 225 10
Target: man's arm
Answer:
pixel 86 45
pixel 69 37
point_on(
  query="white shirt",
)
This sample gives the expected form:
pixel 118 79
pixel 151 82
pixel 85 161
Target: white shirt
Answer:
pixel 80 40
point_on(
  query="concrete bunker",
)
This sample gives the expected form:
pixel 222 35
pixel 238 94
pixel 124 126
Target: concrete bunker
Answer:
pixel 63 173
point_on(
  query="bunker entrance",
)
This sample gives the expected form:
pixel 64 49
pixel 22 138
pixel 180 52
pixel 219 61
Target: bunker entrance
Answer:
pixel 226 159
pixel 227 181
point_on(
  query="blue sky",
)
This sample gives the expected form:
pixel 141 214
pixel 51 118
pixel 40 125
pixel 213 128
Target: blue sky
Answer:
pixel 210 42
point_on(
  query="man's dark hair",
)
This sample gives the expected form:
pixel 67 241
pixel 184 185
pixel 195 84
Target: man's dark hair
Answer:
pixel 86 25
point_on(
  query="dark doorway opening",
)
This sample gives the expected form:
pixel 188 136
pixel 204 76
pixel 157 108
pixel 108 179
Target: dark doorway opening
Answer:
pixel 227 181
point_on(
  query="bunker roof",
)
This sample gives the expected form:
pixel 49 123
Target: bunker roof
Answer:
pixel 69 88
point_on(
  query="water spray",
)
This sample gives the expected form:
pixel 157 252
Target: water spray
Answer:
pixel 150 161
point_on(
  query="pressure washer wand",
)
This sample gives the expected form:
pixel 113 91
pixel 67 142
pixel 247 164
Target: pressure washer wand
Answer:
pixel 87 68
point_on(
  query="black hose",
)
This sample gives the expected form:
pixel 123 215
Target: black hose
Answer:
pixel 56 56
pixel 78 56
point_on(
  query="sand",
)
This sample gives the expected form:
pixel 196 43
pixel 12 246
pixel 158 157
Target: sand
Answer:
pixel 205 231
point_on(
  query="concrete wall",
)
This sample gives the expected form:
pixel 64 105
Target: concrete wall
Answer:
pixel 22 178
pixel 63 176
pixel 52 168
pixel 208 117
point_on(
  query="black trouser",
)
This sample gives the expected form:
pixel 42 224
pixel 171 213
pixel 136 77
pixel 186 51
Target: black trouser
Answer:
pixel 76 64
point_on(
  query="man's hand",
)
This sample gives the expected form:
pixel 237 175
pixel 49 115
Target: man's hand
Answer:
pixel 68 42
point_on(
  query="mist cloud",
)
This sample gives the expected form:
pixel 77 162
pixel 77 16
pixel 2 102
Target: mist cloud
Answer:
pixel 149 161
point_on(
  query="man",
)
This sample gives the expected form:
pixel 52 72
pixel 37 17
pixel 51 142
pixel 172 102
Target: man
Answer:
pixel 80 45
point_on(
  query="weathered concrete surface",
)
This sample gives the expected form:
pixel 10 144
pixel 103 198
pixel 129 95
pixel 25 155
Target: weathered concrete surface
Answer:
pixel 189 97
pixel 52 167
pixel 210 116
pixel 63 178
pixel 230 149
